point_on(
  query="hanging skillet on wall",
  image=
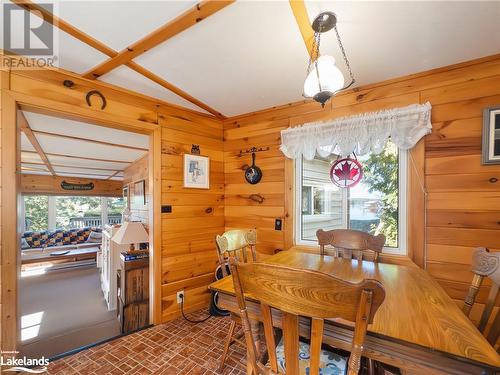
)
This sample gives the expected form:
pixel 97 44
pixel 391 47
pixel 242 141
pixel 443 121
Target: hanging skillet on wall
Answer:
pixel 253 174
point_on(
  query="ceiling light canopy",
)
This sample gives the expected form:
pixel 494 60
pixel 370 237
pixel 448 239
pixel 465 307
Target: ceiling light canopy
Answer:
pixel 324 79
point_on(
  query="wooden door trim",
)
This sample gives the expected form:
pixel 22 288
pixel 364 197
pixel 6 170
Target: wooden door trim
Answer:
pixel 10 266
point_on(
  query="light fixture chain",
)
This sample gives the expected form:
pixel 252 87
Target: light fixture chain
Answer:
pixel 318 42
pixel 346 60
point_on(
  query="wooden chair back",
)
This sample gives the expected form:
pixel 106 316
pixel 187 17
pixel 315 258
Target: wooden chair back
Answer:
pixel 235 244
pixel 350 243
pixel 485 264
pixel 298 292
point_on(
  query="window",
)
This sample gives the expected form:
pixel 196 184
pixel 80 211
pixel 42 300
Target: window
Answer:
pixel 375 205
pixel 60 212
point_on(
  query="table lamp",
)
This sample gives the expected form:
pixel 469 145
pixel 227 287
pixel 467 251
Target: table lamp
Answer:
pixel 131 232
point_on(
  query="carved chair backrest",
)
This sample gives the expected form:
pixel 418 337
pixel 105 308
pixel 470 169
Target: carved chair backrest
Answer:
pixel 350 243
pixel 235 243
pixel 485 264
pixel 303 293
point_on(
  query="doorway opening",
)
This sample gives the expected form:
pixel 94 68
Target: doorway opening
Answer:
pixel 79 183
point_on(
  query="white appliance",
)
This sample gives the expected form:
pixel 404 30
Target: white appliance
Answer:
pixel 109 263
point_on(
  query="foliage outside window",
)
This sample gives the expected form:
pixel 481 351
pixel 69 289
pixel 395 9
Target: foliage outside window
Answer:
pixel 36 212
pixel 372 206
pixel 69 212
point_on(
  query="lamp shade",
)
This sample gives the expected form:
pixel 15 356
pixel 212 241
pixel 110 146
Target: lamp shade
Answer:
pixel 131 232
pixel 331 78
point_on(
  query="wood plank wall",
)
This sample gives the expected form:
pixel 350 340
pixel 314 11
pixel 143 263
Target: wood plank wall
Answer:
pixel 188 232
pixel 188 248
pixel 457 184
pixel 4 77
pixel 137 171
pixel 463 205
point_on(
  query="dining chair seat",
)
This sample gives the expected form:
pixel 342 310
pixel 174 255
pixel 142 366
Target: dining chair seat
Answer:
pixel 329 364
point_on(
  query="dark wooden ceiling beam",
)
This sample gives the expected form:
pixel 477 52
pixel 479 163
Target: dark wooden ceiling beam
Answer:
pixel 101 47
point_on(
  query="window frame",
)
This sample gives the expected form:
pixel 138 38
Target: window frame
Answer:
pixel 402 248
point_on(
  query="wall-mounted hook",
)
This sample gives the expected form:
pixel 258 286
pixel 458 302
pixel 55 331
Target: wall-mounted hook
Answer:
pixel 253 150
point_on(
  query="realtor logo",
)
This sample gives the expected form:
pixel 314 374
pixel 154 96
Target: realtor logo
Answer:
pixel 30 34
pixel 27 33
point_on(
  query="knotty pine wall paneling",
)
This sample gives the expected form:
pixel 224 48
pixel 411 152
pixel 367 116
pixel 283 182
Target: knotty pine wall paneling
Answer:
pixel 463 197
pixel 188 233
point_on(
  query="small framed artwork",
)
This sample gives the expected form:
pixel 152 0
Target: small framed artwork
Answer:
pixel 491 135
pixel 126 196
pixel 196 171
pixel 140 193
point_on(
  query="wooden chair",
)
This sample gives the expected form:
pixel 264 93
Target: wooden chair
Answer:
pixel 485 264
pixel 306 293
pixel 234 244
pixel 349 243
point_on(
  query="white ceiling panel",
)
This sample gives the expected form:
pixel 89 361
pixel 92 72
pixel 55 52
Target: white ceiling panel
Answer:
pixel 72 128
pixel 120 23
pixel 251 56
pixel 35 172
pixel 29 157
pixel 79 171
pixel 83 163
pixel 129 79
pixel 54 145
pixel 25 143
pixel 77 56
pixel 82 176
pixel 248 56
pixel 390 39
pixel 34 167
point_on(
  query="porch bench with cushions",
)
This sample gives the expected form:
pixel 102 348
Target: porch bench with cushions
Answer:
pixel 81 244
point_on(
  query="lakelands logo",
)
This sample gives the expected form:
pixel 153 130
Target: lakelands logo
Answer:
pixel 30 34
pixel 30 365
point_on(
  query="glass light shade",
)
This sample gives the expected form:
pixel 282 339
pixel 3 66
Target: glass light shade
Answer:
pixel 331 78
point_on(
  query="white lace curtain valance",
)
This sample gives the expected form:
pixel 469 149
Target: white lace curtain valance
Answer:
pixel 361 134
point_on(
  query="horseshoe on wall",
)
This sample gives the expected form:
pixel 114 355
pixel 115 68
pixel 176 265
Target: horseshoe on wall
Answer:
pixel 95 92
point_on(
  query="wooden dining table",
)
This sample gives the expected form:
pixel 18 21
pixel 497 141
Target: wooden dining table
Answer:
pixel 418 327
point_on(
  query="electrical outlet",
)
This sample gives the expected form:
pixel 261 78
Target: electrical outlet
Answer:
pixel 180 296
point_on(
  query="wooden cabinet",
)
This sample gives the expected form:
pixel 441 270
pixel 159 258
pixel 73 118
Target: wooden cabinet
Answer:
pixel 132 280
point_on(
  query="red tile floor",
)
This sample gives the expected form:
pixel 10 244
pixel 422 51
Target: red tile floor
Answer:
pixel 177 347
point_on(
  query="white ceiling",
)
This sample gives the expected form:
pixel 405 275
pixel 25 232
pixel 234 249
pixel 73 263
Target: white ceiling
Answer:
pixel 250 55
pixel 79 156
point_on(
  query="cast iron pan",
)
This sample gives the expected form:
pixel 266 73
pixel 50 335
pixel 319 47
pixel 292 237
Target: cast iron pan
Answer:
pixel 253 174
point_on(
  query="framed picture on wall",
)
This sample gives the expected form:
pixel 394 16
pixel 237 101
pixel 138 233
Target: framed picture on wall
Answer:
pixel 491 135
pixel 126 196
pixel 196 171
pixel 140 193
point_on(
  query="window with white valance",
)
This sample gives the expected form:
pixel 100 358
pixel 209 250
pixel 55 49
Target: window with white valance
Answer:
pixel 362 134
pixel 378 203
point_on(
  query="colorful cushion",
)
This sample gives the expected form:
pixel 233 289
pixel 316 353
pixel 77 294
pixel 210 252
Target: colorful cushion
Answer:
pixel 330 363
pixel 59 237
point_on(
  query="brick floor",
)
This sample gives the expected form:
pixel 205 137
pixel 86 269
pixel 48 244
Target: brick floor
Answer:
pixel 177 347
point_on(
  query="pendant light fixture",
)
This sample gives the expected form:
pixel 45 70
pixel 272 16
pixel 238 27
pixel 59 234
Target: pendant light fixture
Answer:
pixel 324 79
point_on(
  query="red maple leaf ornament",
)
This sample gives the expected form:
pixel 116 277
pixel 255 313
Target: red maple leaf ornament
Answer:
pixel 346 172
